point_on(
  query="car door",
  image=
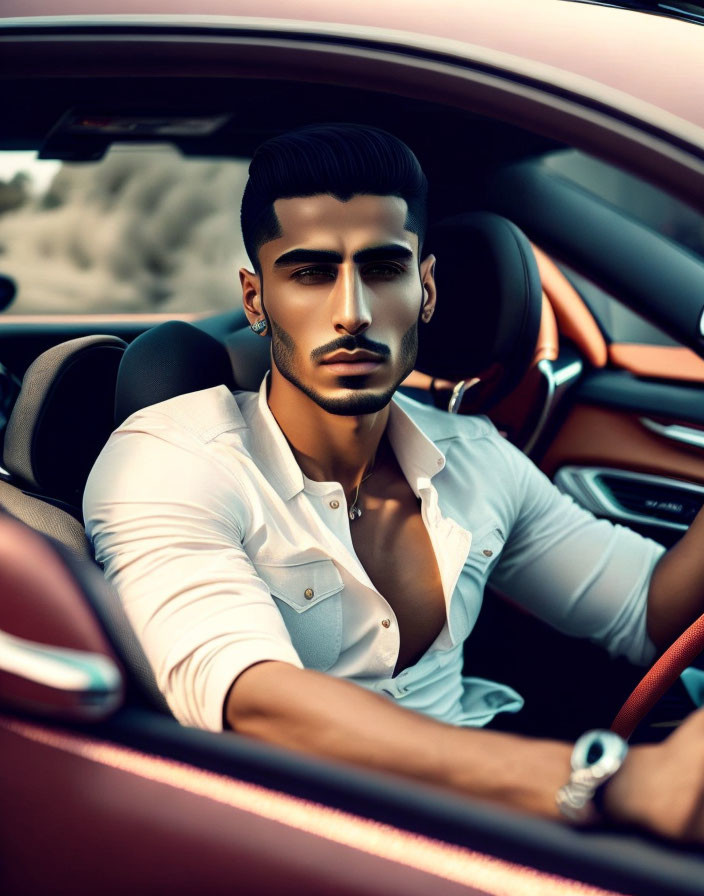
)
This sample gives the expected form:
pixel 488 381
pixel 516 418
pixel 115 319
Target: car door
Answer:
pixel 626 439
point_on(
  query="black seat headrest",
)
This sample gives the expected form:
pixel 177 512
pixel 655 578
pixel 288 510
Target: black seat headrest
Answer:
pixel 489 303
pixel 171 359
pixel 63 416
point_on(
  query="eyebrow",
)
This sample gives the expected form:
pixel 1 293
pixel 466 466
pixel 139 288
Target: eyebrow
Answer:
pixel 389 252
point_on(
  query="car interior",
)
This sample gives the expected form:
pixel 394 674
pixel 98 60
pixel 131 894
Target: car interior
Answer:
pixel 618 425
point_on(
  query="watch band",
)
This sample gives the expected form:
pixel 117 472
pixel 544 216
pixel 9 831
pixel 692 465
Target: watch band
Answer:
pixel 596 757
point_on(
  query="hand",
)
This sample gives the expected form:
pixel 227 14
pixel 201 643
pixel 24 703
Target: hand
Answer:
pixel 661 786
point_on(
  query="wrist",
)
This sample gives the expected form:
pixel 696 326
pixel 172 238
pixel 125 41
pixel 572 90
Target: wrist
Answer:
pixel 597 757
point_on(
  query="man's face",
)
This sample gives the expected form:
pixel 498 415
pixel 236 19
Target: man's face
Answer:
pixel 342 291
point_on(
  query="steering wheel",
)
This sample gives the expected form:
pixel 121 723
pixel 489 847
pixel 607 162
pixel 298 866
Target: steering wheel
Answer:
pixel 661 676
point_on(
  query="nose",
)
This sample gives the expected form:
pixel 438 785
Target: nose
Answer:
pixel 351 312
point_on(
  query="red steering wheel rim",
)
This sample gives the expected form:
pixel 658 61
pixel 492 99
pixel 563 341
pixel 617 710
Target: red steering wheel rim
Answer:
pixel 661 676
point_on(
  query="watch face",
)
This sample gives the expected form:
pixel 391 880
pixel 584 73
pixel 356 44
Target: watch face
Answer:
pixel 601 751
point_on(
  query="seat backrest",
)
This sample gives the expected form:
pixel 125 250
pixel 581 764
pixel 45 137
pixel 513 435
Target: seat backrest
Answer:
pixel 60 421
pixel 62 418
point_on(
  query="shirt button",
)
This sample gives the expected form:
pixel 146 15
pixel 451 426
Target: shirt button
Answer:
pixel 488 553
pixel 334 504
pixel 386 622
pixel 308 594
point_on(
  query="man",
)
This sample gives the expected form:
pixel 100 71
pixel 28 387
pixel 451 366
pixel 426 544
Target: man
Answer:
pixel 326 525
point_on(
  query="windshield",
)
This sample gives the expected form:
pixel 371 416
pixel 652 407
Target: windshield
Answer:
pixel 144 230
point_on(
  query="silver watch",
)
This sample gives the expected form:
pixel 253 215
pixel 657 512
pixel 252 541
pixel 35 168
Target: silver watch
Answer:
pixel 596 758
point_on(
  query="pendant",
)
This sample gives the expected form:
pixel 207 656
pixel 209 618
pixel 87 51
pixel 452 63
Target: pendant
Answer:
pixel 355 513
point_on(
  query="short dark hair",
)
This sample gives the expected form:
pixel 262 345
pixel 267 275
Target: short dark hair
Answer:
pixel 339 159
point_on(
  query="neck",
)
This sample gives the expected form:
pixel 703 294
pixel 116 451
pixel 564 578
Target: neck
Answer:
pixel 327 447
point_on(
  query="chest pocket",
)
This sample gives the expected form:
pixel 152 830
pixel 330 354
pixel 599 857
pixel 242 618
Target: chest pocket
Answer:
pixel 308 596
pixel 484 553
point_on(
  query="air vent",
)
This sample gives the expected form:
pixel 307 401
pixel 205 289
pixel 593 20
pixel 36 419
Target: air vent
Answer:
pixel 677 505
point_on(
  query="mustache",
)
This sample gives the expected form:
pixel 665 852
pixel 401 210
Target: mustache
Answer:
pixel 351 343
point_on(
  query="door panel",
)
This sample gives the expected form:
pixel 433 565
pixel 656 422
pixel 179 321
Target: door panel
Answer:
pixel 594 435
pixel 663 361
pixel 108 819
pixel 601 437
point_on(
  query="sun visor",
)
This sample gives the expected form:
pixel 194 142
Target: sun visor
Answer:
pixel 84 136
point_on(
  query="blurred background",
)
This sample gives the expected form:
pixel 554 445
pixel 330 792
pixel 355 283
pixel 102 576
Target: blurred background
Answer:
pixel 143 230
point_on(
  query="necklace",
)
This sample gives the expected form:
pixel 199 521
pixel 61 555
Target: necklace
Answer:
pixel 355 511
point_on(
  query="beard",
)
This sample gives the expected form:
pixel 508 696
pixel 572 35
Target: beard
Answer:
pixel 360 399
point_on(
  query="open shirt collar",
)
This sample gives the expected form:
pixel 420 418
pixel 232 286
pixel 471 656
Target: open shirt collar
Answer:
pixel 418 456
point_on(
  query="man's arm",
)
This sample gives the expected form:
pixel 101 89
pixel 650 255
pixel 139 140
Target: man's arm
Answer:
pixel 676 591
pixel 166 522
pixel 575 571
pixel 316 713
pixel 660 787
pixel 584 576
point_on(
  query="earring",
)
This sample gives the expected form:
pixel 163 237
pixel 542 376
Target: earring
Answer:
pixel 258 326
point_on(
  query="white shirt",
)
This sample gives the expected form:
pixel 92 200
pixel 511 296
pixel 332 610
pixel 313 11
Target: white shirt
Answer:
pixel 224 554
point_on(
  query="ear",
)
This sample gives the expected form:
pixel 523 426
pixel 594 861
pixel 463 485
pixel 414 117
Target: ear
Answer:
pixel 427 277
pixel 251 295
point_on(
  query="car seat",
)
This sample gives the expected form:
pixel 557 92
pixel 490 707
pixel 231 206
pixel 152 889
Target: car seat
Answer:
pixel 62 417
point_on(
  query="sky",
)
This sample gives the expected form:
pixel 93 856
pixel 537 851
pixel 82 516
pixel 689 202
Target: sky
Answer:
pixel 41 170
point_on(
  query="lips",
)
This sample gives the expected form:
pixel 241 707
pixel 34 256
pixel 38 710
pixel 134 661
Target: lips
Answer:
pixel 356 357
pixel 355 363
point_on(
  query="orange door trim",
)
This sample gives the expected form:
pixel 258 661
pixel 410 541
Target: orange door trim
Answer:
pixel 668 362
pixel 574 319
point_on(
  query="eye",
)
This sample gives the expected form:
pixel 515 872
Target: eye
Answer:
pixel 318 274
pixel 384 270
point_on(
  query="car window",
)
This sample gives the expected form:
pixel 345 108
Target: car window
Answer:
pixel 144 230
pixel 618 321
pixel 646 204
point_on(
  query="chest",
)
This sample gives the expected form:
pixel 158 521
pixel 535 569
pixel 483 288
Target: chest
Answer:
pixel 394 547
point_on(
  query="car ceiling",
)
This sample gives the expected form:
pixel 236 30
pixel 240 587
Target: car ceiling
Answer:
pixel 584 40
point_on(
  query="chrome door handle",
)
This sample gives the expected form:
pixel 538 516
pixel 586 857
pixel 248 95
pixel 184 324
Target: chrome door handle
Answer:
pixel 677 433
pixel 58 681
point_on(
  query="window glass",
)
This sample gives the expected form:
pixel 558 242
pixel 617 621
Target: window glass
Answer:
pixel 646 204
pixel 637 198
pixel 145 230
pixel 616 319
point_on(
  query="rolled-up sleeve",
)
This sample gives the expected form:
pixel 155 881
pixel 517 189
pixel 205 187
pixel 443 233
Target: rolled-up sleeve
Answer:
pixel 585 576
pixel 166 522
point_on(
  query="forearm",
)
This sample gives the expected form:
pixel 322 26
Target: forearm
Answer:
pixel 319 714
pixel 676 593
